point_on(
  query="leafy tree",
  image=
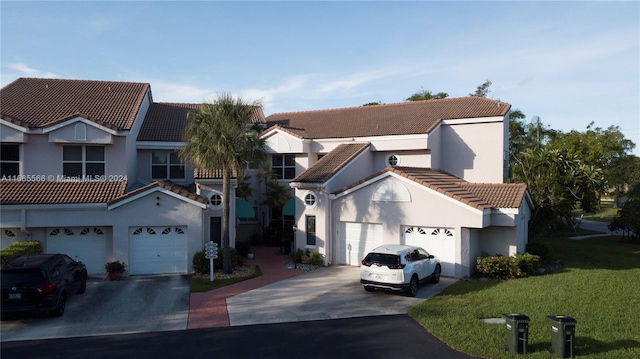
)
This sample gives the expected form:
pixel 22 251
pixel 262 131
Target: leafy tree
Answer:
pixel 220 135
pixel 623 173
pixel 556 180
pixel 482 90
pixel 523 135
pixel 373 103
pixel 601 148
pixel 244 189
pixel 628 217
pixel 423 95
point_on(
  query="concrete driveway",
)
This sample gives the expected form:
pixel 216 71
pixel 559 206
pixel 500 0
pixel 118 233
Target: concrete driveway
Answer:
pixel 327 293
pixel 136 304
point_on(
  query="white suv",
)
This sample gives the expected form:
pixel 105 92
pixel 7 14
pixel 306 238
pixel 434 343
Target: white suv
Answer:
pixel 399 268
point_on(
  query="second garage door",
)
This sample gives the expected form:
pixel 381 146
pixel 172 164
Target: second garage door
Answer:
pixel 437 241
pixel 157 250
pixel 357 239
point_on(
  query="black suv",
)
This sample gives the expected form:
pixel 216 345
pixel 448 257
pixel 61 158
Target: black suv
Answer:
pixel 41 283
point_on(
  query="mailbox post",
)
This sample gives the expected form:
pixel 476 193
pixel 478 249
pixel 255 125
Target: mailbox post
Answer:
pixel 211 253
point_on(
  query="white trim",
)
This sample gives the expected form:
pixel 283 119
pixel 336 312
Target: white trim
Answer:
pixel 153 190
pixel 315 200
pixel 86 122
pixel 464 121
pixel 159 145
pixel 14 126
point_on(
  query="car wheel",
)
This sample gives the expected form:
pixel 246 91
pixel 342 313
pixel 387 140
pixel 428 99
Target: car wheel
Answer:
pixel 436 274
pixel 369 289
pixel 60 305
pixel 413 287
pixel 83 286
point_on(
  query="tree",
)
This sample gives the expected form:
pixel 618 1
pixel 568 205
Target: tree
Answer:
pixel 622 174
pixel 597 147
pixel 423 95
pixel 220 135
pixel 556 180
pixel 375 103
pixel 628 216
pixel 482 90
pixel 523 135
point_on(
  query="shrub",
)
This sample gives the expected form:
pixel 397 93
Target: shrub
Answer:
pixel 313 258
pixel 18 249
pixel 297 255
pixel 499 266
pixel 201 264
pixel 539 249
pixel 115 267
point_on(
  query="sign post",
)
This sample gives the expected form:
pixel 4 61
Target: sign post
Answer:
pixel 211 253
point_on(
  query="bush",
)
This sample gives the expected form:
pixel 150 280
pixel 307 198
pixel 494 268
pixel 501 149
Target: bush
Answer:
pixel 538 249
pixel 313 258
pixel 201 264
pixel 18 249
pixel 499 266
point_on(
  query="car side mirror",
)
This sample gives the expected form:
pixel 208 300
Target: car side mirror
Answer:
pixel 430 256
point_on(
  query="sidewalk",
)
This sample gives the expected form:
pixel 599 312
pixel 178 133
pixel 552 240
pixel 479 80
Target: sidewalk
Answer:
pixel 209 309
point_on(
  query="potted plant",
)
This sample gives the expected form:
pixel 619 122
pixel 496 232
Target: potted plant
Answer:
pixel 115 269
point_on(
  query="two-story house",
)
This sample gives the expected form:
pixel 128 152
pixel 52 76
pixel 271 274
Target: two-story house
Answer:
pixel 90 169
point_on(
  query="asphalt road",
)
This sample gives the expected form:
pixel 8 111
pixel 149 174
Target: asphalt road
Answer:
pixel 392 336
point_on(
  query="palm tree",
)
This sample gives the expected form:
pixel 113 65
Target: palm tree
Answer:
pixel 221 136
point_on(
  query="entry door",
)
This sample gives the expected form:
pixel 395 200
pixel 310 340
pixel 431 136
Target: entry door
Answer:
pixel 215 230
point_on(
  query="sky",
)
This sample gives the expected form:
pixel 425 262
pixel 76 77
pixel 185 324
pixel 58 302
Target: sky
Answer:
pixel 569 63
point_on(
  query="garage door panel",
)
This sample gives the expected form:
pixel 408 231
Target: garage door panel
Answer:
pixel 437 241
pixel 85 244
pixel 157 250
pixel 357 239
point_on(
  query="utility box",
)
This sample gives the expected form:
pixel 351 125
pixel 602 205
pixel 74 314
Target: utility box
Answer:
pixel 563 330
pixel 517 326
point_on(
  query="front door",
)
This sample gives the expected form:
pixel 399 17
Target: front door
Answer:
pixel 215 230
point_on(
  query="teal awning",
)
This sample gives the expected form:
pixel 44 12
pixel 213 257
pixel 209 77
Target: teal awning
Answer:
pixel 244 209
pixel 289 208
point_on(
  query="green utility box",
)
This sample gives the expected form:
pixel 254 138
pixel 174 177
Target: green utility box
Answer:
pixel 563 331
pixel 517 326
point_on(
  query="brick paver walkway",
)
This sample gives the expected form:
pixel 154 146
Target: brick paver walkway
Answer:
pixel 209 309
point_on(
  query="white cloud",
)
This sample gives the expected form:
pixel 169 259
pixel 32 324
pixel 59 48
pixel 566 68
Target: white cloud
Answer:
pixel 24 70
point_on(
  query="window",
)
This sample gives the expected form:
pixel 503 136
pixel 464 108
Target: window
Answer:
pixel 215 200
pixel 284 166
pixel 10 160
pixel 310 200
pixel 80 161
pixel 311 230
pixel 166 165
pixel 393 160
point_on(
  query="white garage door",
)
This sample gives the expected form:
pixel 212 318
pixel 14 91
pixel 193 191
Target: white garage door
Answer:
pixel 437 241
pixel 85 244
pixel 356 239
pixel 157 250
pixel 8 237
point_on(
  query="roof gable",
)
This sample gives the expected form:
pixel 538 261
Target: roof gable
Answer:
pixel 385 120
pixel 480 196
pixel 165 186
pixel 40 103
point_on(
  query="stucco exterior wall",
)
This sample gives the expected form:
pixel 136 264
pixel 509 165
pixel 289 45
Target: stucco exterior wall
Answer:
pixel 474 151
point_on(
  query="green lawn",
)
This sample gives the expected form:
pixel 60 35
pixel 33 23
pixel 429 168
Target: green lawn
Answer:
pixel 605 214
pixel 202 284
pixel 599 286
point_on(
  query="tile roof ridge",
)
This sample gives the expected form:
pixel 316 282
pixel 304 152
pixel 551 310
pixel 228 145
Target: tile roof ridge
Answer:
pixel 78 80
pixel 393 104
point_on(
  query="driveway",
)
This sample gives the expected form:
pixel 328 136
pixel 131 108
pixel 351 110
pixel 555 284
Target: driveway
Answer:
pixel 136 304
pixel 326 293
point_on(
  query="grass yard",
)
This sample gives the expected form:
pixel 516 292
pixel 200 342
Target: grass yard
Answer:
pixel 605 214
pixel 599 286
pixel 202 284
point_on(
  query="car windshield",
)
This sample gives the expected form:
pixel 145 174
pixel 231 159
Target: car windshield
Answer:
pixel 381 259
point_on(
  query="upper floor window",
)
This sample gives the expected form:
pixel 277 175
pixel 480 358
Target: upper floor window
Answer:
pixel 9 160
pixel 83 161
pixel 166 165
pixel 284 166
